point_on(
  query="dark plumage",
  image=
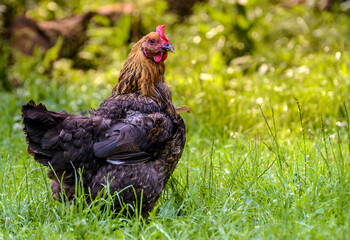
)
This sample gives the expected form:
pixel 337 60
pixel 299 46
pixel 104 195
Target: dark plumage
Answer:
pixel 134 138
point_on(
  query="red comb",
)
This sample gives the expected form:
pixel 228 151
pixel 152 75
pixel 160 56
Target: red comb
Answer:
pixel 160 31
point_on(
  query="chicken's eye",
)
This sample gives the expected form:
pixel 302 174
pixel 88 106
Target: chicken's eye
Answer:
pixel 151 41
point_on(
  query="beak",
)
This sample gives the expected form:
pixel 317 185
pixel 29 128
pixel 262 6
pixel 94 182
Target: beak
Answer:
pixel 168 47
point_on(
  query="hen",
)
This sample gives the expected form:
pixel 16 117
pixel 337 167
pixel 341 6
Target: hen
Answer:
pixel 133 140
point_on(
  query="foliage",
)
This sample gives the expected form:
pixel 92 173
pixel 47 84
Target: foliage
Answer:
pixel 268 139
pixel 4 61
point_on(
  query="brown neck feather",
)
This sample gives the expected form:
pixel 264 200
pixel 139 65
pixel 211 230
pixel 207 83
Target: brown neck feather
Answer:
pixel 141 74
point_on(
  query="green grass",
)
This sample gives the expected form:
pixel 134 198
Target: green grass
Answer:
pixel 268 140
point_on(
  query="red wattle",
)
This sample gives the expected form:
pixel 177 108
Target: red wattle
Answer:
pixel 158 57
pixel 165 56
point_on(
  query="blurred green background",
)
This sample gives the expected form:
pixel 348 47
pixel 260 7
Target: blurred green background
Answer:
pixel 231 56
pixel 255 164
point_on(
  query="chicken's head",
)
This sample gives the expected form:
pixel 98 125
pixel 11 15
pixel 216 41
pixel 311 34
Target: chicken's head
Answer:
pixel 156 45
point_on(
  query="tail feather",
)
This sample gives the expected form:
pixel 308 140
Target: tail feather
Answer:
pixel 39 126
pixel 58 139
pixel 50 139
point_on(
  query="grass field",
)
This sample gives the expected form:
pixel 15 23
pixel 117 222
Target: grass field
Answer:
pixel 268 140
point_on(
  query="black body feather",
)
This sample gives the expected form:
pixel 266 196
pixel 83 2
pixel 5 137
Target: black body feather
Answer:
pixel 129 138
